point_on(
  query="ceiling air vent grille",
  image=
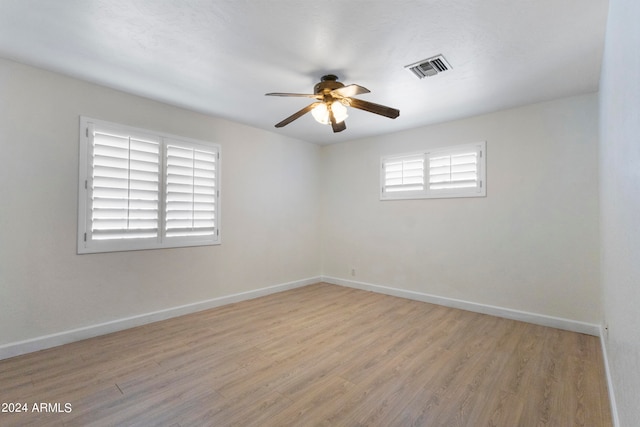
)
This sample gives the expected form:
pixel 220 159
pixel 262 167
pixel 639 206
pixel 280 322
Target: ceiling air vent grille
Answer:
pixel 429 67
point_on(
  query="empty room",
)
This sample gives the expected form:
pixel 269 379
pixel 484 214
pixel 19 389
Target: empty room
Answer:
pixel 337 213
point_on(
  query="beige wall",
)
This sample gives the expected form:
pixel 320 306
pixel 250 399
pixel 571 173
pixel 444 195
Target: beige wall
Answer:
pixel 620 207
pixel 530 245
pixel 269 206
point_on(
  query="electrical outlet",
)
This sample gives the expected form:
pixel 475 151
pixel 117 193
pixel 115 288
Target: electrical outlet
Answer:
pixel 353 272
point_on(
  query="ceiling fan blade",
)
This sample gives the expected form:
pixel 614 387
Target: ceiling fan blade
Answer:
pixel 297 115
pixel 351 90
pixel 337 127
pixel 304 95
pixel 382 110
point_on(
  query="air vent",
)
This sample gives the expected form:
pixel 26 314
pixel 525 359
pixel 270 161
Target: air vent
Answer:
pixel 429 67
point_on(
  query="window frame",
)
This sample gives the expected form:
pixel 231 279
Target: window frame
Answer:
pixel 86 244
pixel 480 190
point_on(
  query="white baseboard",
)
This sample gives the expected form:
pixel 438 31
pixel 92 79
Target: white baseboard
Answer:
pixel 507 313
pixel 612 399
pixel 65 337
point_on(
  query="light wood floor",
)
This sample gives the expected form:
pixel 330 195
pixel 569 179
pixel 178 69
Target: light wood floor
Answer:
pixel 318 355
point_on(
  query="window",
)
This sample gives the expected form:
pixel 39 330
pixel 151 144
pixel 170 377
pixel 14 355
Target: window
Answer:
pixel 145 190
pixel 439 173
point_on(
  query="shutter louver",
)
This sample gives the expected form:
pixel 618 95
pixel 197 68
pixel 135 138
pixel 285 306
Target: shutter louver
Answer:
pixel 191 192
pixel 125 187
pixel 404 174
pixel 453 171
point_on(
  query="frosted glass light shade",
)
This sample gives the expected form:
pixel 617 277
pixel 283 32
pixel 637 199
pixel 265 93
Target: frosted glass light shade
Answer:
pixel 321 113
pixel 339 111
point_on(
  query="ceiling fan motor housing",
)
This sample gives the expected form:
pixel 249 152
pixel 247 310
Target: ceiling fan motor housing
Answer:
pixel 327 84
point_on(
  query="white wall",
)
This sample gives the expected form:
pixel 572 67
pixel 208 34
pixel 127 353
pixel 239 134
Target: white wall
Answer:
pixel 530 245
pixel 620 203
pixel 292 210
pixel 269 205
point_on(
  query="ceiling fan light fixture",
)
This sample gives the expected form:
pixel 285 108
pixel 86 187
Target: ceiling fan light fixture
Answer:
pixel 331 101
pixel 321 112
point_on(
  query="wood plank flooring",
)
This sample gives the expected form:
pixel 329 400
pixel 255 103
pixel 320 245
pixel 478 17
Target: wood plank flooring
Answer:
pixel 321 355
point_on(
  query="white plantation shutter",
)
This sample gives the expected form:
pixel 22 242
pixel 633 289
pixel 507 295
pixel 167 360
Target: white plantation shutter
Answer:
pixel 453 171
pixel 140 189
pixel 124 186
pixel 404 173
pixel 191 194
pixel 457 171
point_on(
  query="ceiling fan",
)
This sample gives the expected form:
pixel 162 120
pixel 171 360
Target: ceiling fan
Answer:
pixel 333 98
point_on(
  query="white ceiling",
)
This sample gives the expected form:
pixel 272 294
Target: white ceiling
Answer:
pixel 221 57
